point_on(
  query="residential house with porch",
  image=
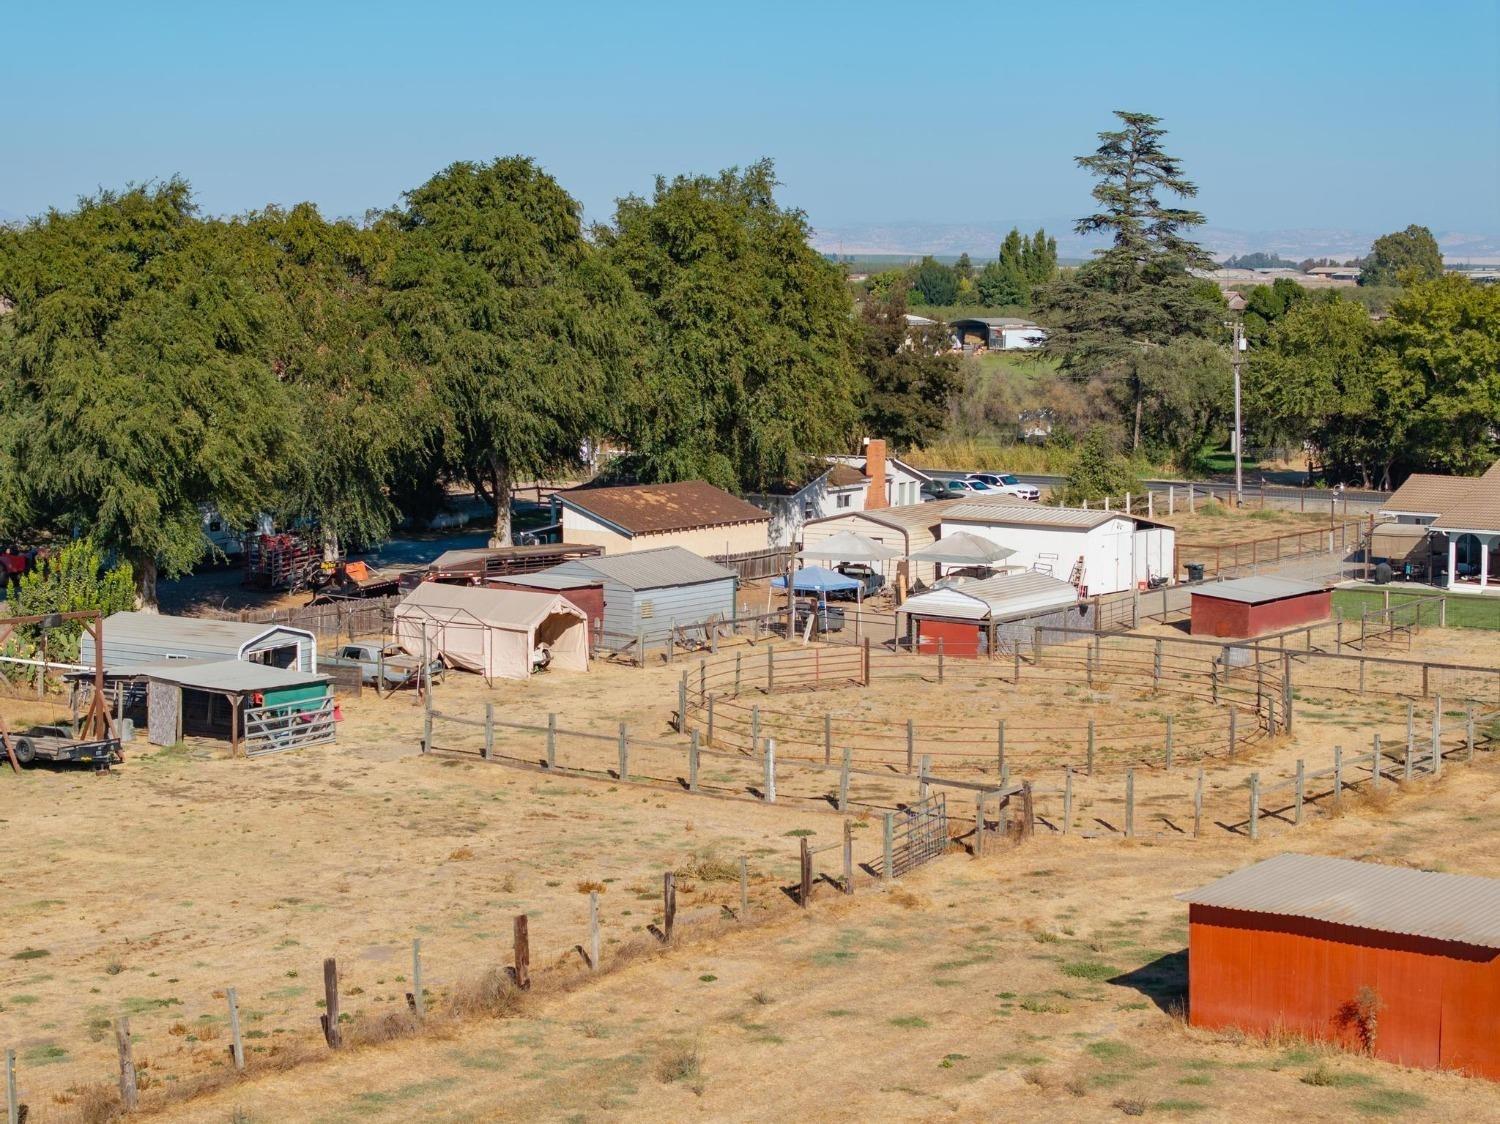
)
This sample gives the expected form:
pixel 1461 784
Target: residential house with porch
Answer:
pixel 1461 515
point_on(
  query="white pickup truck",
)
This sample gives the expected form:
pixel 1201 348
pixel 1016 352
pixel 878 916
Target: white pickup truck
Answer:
pixel 394 662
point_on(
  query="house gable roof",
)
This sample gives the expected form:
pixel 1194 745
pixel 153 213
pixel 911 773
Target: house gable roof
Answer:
pixel 1458 503
pixel 652 509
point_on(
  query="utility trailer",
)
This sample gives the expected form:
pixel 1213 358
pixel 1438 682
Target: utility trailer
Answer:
pixel 57 744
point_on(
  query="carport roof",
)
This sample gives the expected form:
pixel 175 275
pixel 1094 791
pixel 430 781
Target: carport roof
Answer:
pixel 1257 591
pixel 230 676
pixel 647 569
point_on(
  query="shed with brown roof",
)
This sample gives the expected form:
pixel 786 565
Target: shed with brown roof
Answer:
pixel 692 514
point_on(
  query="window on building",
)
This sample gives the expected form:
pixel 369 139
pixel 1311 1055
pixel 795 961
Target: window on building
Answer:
pixel 843 499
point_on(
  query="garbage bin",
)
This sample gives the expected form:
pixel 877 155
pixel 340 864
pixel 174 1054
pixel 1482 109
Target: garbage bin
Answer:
pixel 1194 571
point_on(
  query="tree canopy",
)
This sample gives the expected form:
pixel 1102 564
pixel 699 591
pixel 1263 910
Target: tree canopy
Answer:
pixel 1401 258
pixel 908 372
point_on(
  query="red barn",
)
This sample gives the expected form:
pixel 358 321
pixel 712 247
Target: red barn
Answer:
pixel 1252 606
pixel 1403 963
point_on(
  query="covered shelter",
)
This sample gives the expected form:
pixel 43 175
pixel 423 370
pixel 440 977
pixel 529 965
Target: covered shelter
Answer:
pixel 1322 947
pixel 848 546
pixel 650 593
pixel 963 551
pixel 493 632
pixel 259 709
pixel 1252 606
pixel 133 639
pixel 905 528
pixel 970 616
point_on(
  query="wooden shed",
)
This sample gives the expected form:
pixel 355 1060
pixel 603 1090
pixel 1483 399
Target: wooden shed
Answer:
pixel 1252 606
pixel 1402 963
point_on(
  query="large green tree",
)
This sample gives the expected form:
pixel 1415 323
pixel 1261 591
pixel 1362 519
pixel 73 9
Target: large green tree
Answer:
pixel 909 374
pixel 749 370
pixel 136 378
pixel 521 328
pixel 1407 255
pixel 935 283
pixel 1136 295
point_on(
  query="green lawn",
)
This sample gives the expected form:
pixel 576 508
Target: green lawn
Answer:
pixel 1464 610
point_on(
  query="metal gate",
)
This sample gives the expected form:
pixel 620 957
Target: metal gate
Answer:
pixel 920 835
pixel 271 729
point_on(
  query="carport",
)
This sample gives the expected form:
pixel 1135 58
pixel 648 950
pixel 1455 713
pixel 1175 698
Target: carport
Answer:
pixel 259 709
pixel 968 616
pixel 492 632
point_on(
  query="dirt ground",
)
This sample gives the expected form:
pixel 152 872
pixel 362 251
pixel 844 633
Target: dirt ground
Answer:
pixel 1217 524
pixel 1030 981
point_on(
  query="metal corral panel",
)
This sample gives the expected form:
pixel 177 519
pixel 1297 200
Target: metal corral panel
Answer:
pixel 132 639
pixel 1393 899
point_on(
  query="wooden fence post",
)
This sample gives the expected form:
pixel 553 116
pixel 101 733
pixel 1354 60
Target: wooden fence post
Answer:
pixel 1000 745
pixel 623 749
pixel 888 841
pixel 770 770
pixel 744 887
pixel 1067 799
pixel 978 824
pixel 669 905
pixel 332 1032
pixel 693 761
pixel 1301 789
pixel 236 1041
pixel 417 1000
pixel 1015 655
pixel 827 737
pixel 940 658
pixel 848 857
pixel 489 731
pixel 427 724
pixel 754 727
pixel 551 741
pixel 1254 806
pixel 1028 811
pixel 1411 735
pixel 1091 748
pixel 12 1094
pixel 737 675
pixel 703 678
pixel 593 930
pixel 682 704
pixel 770 668
pixel 1234 730
pixel 640 646
pixel 844 780
pixel 1168 755
pixel 1129 803
pixel 1411 752
pixel 710 737
pixel 1198 805
pixel 522 946
pixel 129 1095
pixel 866 663
pixel 1437 735
pixel 1469 732
pixel 1156 656
pixel 805 868
pixel 911 744
pixel 1377 756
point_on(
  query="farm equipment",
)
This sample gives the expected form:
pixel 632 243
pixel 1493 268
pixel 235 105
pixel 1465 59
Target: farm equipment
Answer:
pixel 283 561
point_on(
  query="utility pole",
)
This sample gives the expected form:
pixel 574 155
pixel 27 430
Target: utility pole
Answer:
pixel 1239 469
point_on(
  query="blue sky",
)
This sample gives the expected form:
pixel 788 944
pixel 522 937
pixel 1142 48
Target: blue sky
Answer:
pixel 1310 114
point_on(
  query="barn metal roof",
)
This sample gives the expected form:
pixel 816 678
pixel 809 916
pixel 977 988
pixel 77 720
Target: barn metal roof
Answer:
pixel 1257 591
pixel 233 676
pixel 648 569
pixel 1026 513
pixel 165 628
pixel 999 598
pixel 1390 899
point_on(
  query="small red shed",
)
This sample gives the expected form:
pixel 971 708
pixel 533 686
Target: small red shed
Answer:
pixel 1252 606
pixel 1403 963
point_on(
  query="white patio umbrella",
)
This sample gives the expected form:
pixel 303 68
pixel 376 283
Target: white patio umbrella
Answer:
pixel 846 546
pixel 962 549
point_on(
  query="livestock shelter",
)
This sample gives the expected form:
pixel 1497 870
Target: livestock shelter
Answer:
pixel 648 593
pixel 492 632
pixel 258 708
pixel 969 615
pixel 1097 551
pixel 133 639
pixel 1253 606
pixel 692 514
pixel 1329 948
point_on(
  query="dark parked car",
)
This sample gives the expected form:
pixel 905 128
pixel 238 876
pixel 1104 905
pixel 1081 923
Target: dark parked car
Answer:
pixel 867 577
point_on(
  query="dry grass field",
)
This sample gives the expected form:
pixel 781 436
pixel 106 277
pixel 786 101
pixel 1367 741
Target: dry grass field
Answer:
pixel 1040 979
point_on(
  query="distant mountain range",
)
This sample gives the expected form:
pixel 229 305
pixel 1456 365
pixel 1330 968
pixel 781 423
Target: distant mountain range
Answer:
pixel 982 240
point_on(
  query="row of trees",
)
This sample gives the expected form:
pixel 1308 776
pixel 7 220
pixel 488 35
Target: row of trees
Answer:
pixel 154 360
pixel 1010 279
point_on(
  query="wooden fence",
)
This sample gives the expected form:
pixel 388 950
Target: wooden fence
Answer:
pixel 1227 558
pixel 333 620
pixel 757 565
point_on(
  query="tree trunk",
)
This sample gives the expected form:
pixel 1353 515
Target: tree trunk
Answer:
pixel 330 545
pixel 500 486
pixel 144 566
pixel 1140 401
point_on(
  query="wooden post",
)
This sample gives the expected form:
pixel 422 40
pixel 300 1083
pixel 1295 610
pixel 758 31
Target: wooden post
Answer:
pixel 1437 735
pixel 978 824
pixel 1469 732
pixel 1338 776
pixel 1377 756
pixel 1271 714
pixel 1028 811
pixel 703 679
pixel 866 662
pixel 333 1034
pixel 770 770
pixel 710 737
pixel 1198 805
pixel 844 780
pixel 940 658
pixel 489 731
pixel 415 998
pixel 1000 746
pixel 12 1094
pixel 805 865
pixel 1091 748
pixel 236 1041
pixel 1424 680
pixel 1129 803
pixel 1168 754
pixel 1443 612
pixel 754 727
pixel 1254 806
pixel 848 857
pixel 922 770
pixel 1234 731
pixel 669 904
pixel 640 645
pixel 426 724
pixel 1361 672
pixel 551 741
pixel 129 1096
pixel 682 704
pixel 1156 657
pixel 593 930
pixel 1301 789
pixel 623 749
pixel 522 942
pixel 1171 499
pixel 1015 655
pixel 888 840
pixel 693 761
pixel 744 887
pixel 770 668
pixel 737 675
pixel 827 737
pixel 911 744
pixel 1067 799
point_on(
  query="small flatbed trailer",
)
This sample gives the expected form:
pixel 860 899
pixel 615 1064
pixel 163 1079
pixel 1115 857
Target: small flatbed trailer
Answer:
pixel 57 745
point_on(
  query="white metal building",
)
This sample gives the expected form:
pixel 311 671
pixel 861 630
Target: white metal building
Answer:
pixel 133 639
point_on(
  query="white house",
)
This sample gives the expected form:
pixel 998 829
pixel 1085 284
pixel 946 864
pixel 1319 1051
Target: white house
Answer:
pixel 1462 518
pixel 903 483
pixel 1097 551
pixel 838 488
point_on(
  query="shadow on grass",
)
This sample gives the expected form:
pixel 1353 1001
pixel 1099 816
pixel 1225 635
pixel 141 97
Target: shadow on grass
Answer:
pixel 1164 981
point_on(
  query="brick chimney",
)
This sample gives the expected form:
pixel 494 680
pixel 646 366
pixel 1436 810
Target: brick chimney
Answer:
pixel 875 470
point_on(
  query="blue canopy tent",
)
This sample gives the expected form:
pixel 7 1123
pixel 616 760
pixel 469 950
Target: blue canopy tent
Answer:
pixel 820 582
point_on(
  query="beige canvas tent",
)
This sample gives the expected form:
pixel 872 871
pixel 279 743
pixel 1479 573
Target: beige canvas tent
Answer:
pixel 492 631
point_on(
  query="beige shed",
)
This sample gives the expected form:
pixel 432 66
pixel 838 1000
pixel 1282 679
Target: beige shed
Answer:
pixel 492 631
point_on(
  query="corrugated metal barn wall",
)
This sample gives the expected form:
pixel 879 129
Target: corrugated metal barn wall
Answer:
pixel 657 610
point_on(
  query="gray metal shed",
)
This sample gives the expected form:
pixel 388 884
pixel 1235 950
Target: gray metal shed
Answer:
pixel 651 591
pixel 132 639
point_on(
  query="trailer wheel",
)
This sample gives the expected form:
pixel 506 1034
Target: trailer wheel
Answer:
pixel 25 751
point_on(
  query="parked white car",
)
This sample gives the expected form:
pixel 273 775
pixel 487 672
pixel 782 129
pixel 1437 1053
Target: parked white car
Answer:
pixel 1008 483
